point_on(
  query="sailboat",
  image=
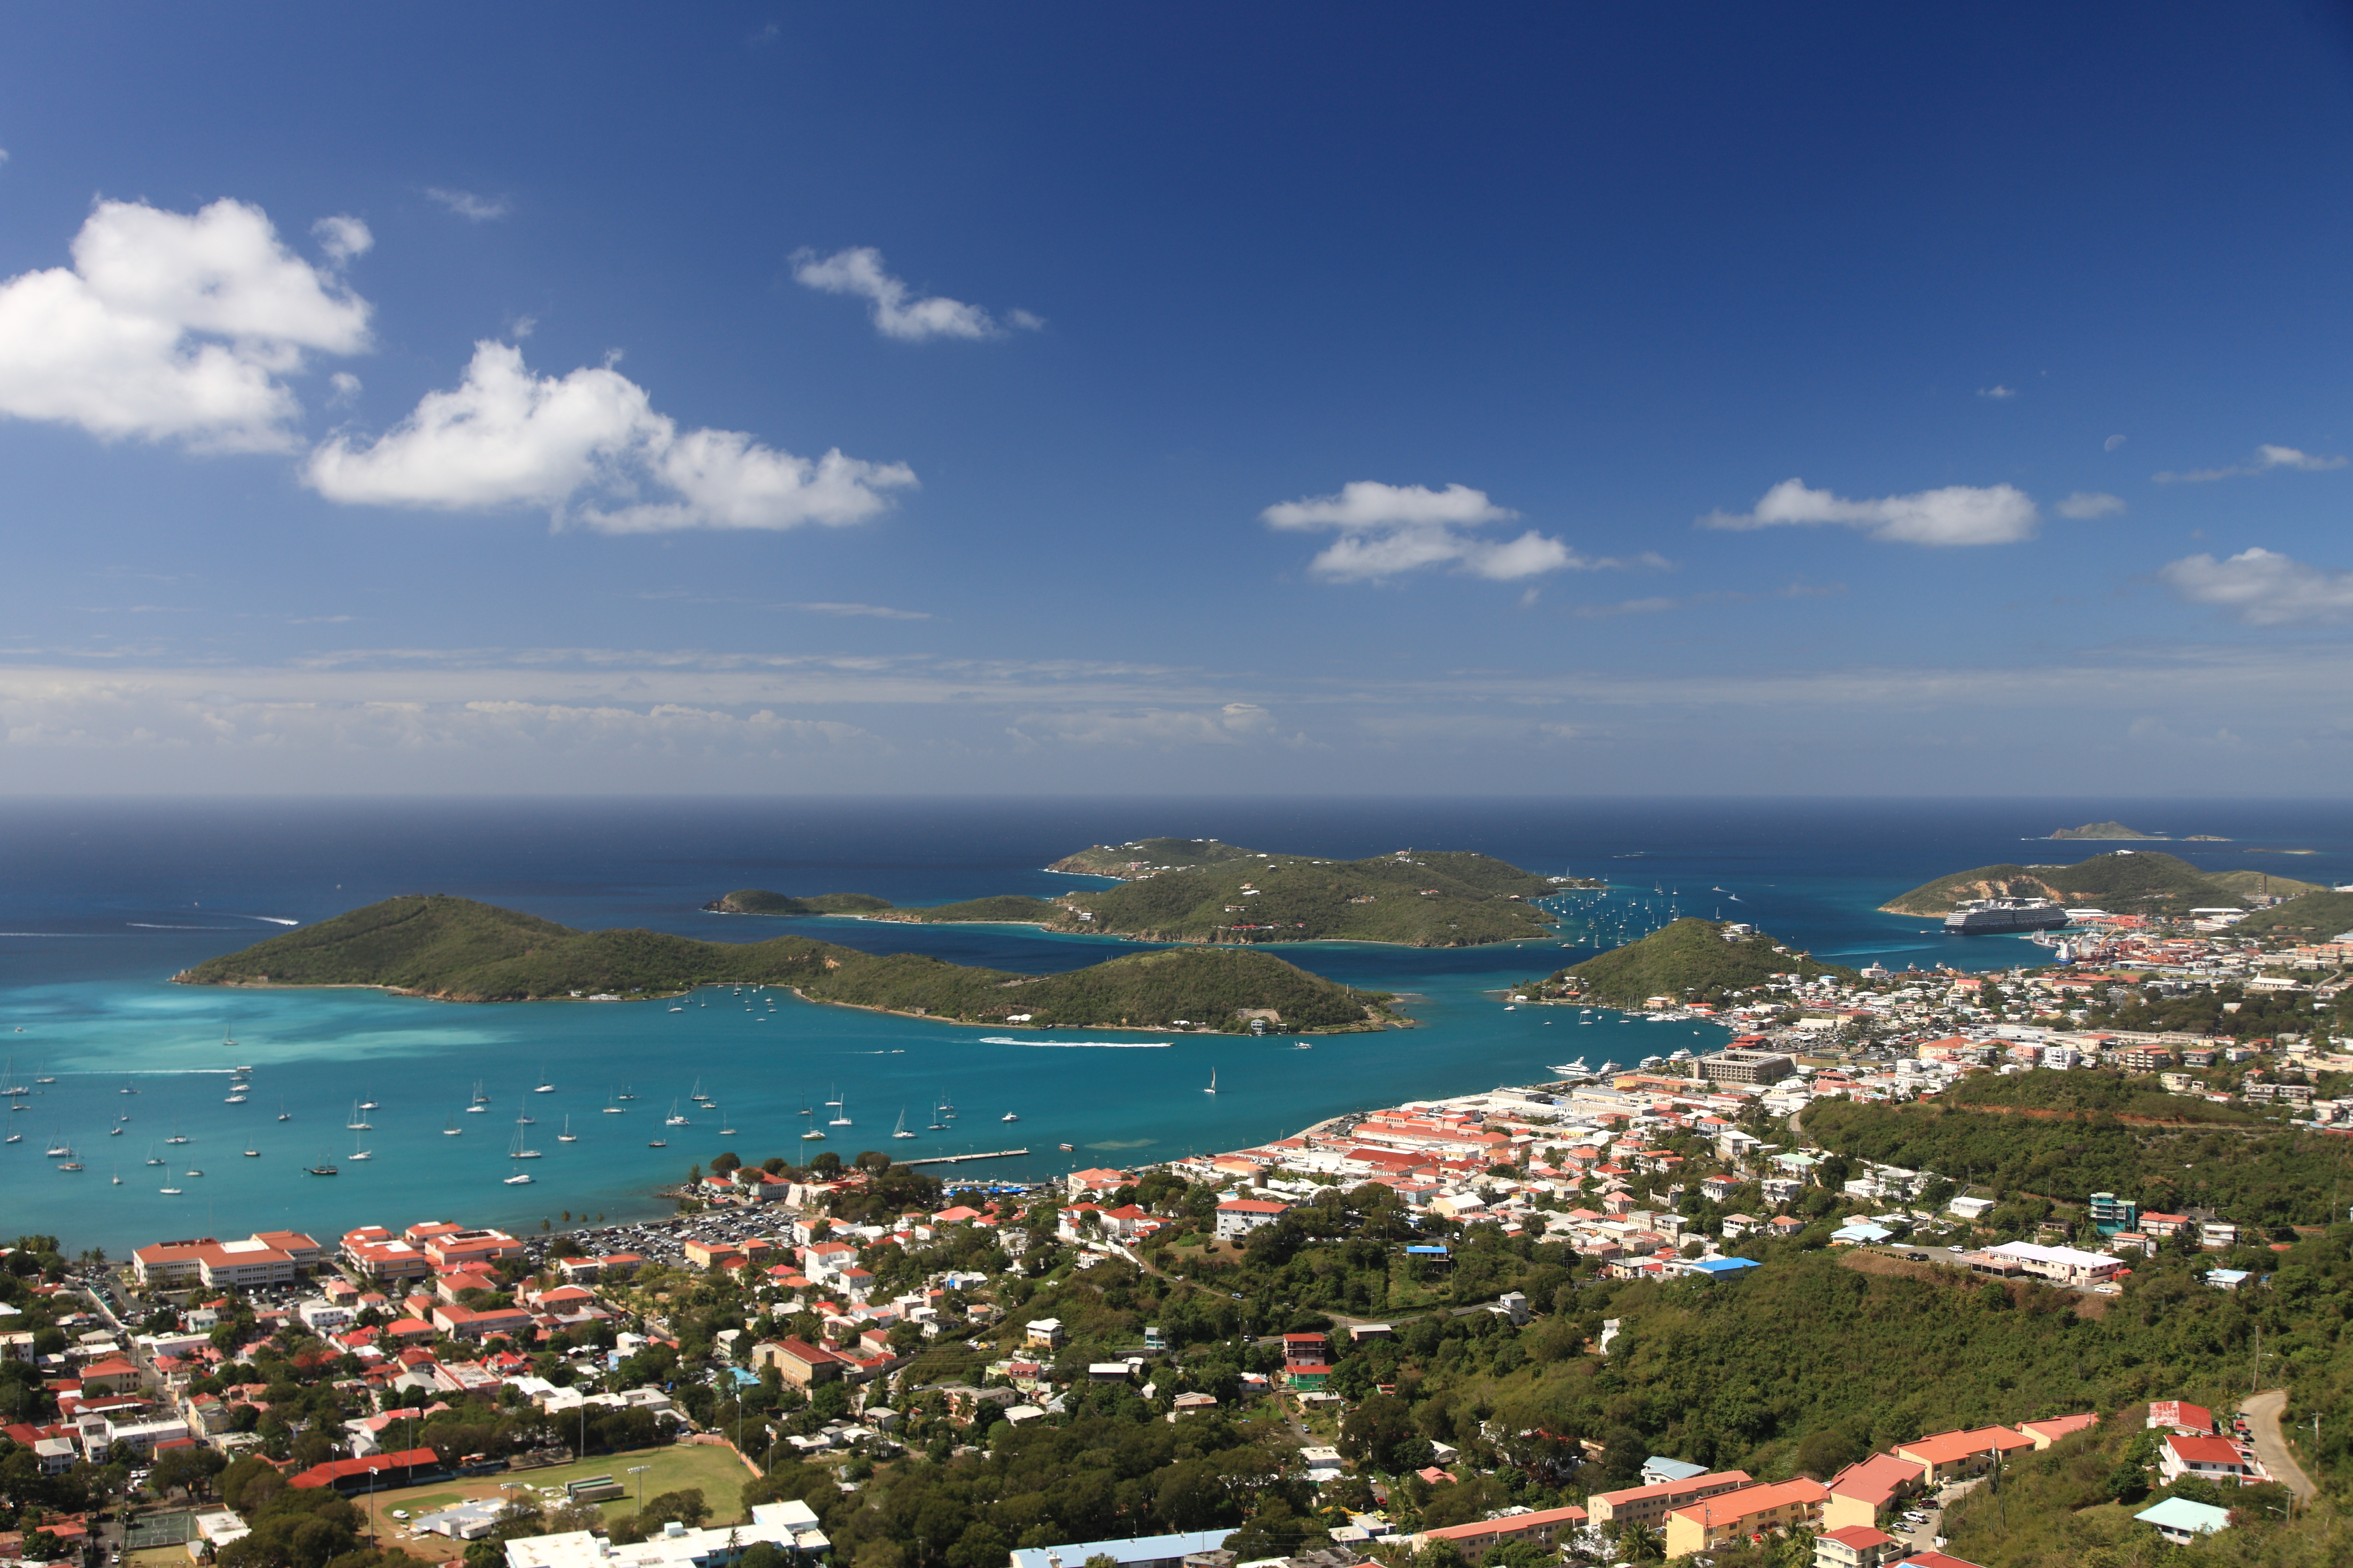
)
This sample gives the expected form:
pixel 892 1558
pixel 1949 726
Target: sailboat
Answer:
pixel 169 1192
pixel 546 1084
pixel 61 1149
pixel 567 1135
pixel 515 1150
pixel 282 1114
pixel 358 1123
pixel 12 1087
pixel 13 1138
pixel 453 1129
pixel 520 1179
pixel 901 1131
pixel 369 1104
pixel 842 1119
pixel 115 1131
pixel 1213 1082
pixel 696 1093
pixel 128 1087
pixel 674 1118
pixel 153 1157
pixel 612 1109
pixel 361 1153
pixel 627 1093
pixel 1008 1116
pixel 117 1175
pixel 252 1152
pixel 657 1142
pixel 320 1169
pixel 937 1111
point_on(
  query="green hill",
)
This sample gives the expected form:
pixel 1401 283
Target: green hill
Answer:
pixel 2101 830
pixel 2258 884
pixel 1421 899
pixel 2320 914
pixel 1144 856
pixel 760 901
pixel 1687 958
pixel 459 950
pixel 2123 881
pixel 1006 909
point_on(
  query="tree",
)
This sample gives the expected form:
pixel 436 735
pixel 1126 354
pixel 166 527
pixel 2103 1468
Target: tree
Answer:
pixel 726 1164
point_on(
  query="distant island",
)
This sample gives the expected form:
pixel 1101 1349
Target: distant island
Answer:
pixel 2102 830
pixel 459 950
pixel 1201 890
pixel 1689 960
pixel 2125 881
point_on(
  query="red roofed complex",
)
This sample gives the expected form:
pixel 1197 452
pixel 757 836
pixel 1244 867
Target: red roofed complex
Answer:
pixel 1949 1455
pixel 1475 1541
pixel 2046 1433
pixel 2212 1459
pixel 378 1470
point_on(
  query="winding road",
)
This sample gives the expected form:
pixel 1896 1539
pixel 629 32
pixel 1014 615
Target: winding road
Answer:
pixel 2263 1414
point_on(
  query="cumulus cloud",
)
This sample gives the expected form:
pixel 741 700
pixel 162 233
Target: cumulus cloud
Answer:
pixel 859 271
pixel 467 205
pixel 2262 587
pixel 2268 457
pixel 180 326
pixel 2084 504
pixel 590 448
pixel 1997 392
pixel 1235 723
pixel 1386 529
pixel 1957 514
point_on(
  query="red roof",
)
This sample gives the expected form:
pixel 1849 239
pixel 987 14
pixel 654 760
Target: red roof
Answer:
pixel 334 1470
pixel 2205 1451
pixel 1860 1537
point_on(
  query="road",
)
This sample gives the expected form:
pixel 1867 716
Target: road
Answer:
pixel 2263 1414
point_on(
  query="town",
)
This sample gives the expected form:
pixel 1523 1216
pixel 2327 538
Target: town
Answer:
pixel 795 1338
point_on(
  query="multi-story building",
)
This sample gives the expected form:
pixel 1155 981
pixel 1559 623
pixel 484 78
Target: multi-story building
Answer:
pixel 2111 1213
pixel 1732 1517
pixel 1649 1505
pixel 266 1258
pixel 1740 1065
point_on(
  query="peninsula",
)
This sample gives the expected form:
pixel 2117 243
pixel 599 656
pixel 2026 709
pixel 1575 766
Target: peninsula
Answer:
pixel 1201 890
pixel 2123 881
pixel 1689 960
pixel 459 950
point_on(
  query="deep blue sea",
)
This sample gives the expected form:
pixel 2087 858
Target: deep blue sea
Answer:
pixel 101 902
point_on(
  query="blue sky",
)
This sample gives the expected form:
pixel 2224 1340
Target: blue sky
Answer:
pixel 1696 399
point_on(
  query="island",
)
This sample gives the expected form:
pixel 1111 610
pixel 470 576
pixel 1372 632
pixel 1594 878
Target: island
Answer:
pixel 1199 890
pixel 2123 881
pixel 760 901
pixel 1685 961
pixel 459 950
pixel 2102 830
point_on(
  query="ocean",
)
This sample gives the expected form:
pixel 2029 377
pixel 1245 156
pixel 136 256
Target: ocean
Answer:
pixel 103 902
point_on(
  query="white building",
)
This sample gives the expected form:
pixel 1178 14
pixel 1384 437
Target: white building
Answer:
pixel 793 1526
pixel 2061 1265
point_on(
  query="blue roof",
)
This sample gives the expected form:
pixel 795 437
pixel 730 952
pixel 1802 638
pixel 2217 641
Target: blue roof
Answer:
pixel 1720 1268
pixel 1142 1549
pixel 1439 1250
pixel 2180 1513
pixel 1862 1233
pixel 1672 1469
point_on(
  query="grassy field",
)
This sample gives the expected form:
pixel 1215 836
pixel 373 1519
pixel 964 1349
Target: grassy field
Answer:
pixel 715 1469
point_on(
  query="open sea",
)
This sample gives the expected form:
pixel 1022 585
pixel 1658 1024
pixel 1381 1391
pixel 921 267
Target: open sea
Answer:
pixel 103 902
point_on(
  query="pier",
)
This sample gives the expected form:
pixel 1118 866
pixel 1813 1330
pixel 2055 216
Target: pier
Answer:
pixel 960 1159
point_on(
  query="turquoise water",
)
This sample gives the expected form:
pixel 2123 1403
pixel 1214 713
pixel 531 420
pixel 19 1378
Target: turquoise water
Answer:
pixel 101 902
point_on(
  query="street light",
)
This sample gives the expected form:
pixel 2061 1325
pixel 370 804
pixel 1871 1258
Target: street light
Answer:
pixel 640 1471
pixel 371 1505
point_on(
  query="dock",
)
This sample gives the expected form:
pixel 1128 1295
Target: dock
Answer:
pixel 960 1159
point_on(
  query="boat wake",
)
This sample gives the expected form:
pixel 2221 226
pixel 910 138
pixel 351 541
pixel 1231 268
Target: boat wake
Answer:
pixel 1079 1045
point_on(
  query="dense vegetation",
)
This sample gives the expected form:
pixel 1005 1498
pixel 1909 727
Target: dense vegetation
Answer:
pixel 760 901
pixel 1148 855
pixel 1689 960
pixel 1423 899
pixel 2255 1175
pixel 2100 830
pixel 2319 915
pixel 463 951
pixel 2228 1010
pixel 1019 909
pixel 2134 882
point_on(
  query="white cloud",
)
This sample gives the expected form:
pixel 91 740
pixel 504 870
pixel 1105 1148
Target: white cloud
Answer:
pixel 467 205
pixel 859 271
pixel 1386 530
pixel 346 384
pixel 1957 514
pixel 879 612
pixel 1997 392
pixel 2268 457
pixel 2084 504
pixel 343 237
pixel 2262 587
pixel 176 325
pixel 1234 724
pixel 589 445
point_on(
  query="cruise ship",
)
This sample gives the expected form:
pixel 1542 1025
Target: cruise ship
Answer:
pixel 1988 917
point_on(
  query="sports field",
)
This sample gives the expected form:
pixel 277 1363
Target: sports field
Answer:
pixel 716 1470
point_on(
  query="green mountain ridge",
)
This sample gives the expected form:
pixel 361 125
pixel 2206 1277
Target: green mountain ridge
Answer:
pixel 461 950
pixel 1689 959
pixel 2123 881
